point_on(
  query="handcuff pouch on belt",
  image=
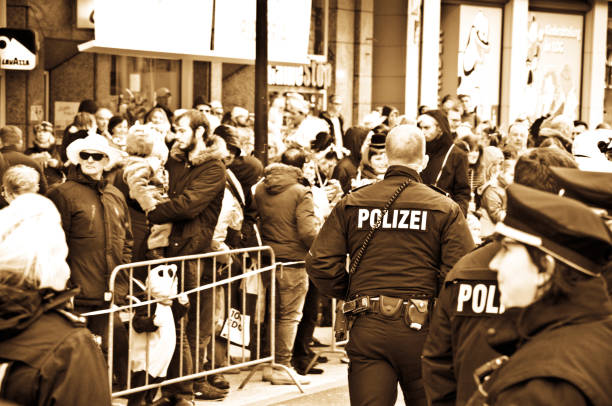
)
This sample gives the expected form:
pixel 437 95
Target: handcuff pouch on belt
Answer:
pixel 417 314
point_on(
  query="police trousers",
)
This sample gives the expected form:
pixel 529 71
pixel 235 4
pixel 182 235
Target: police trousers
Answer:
pixel 382 352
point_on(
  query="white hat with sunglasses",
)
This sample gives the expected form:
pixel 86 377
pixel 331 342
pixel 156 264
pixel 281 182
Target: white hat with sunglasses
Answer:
pixel 93 143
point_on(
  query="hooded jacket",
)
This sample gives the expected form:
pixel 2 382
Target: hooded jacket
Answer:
pixel 559 352
pixel 98 231
pixel 286 209
pixel 454 177
pixel 52 357
pixel 197 183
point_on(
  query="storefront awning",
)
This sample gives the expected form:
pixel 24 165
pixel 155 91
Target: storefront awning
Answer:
pixel 211 56
pixel 177 29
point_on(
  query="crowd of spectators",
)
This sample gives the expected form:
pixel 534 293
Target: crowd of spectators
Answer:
pixel 172 183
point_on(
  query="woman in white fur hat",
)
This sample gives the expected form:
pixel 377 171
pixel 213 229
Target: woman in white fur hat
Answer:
pixel 50 358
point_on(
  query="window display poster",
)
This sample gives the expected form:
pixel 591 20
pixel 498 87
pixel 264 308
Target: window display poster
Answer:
pixel 478 68
pixel 63 114
pixel 554 64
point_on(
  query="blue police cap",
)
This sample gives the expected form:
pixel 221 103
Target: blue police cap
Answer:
pixel 592 188
pixel 562 227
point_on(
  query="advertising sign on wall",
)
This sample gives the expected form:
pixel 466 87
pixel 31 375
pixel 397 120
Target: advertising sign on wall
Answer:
pixel 85 13
pixel 288 28
pixel 554 64
pixel 479 56
pixel 317 75
pixel 175 26
pixel 470 59
pixel 17 49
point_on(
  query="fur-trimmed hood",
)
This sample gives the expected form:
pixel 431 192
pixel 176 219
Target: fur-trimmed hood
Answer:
pixel 214 148
pixel 279 177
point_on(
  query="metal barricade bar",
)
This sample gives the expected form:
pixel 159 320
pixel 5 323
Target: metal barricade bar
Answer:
pixel 255 254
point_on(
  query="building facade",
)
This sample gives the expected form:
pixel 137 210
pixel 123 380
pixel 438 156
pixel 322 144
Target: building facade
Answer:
pixel 514 57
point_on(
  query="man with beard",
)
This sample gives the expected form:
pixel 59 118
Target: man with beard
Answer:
pixel 197 183
pixel 448 165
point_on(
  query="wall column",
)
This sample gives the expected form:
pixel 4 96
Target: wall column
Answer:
pixel 216 81
pixel 186 83
pixel 2 74
pixel 594 63
pixel 413 42
pixel 364 31
pixel 514 53
pixel 430 57
pixel 342 51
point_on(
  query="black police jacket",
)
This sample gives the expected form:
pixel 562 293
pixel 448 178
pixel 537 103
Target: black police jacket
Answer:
pixel 456 345
pixel 422 236
pixel 559 352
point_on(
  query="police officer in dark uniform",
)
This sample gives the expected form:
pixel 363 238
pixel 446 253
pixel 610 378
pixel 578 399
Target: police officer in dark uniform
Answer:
pixel 456 345
pixel 556 343
pixel 398 256
pixel 468 304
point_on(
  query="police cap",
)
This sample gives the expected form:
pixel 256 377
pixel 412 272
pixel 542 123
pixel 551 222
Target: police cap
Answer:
pixel 592 188
pixel 559 226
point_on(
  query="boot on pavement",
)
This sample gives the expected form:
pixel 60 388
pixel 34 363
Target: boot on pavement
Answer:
pixel 205 391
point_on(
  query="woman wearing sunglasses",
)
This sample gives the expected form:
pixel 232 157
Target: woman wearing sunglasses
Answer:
pixel 98 232
pixel 557 328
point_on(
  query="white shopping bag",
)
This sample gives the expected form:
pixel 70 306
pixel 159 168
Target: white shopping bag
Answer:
pixel 237 328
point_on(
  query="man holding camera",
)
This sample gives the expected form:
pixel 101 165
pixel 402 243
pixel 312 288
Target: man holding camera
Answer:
pixel 402 238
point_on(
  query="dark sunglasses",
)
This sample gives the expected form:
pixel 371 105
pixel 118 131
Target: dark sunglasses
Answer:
pixel 97 156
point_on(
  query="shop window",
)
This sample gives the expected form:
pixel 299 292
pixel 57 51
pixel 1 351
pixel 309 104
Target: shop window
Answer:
pixel 135 81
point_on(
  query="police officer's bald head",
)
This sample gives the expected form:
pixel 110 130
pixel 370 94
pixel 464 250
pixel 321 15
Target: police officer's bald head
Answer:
pixel 405 145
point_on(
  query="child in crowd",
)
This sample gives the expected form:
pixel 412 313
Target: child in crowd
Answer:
pixel 493 205
pixel 147 181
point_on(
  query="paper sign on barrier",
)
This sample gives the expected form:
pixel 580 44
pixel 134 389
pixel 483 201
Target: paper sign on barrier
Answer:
pixel 235 323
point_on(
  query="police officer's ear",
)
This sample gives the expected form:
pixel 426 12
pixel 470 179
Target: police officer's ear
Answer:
pixel 547 266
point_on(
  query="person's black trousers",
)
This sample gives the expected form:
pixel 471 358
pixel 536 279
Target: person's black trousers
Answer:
pixel 383 352
pixel 301 346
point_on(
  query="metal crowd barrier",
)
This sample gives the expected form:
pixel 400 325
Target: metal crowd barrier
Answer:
pixel 251 267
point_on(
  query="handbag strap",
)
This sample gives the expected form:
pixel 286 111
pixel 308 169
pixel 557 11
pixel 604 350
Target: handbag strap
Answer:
pixel 368 238
pixel 444 164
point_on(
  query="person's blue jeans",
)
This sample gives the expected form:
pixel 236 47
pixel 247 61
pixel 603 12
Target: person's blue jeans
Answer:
pixel 292 285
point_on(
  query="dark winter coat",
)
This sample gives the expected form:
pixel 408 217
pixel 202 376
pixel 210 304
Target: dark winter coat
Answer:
pixel 456 344
pixel 559 352
pixel 197 184
pixel 13 157
pixel 286 210
pixel 454 178
pixel 423 235
pixel 55 360
pixel 98 232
